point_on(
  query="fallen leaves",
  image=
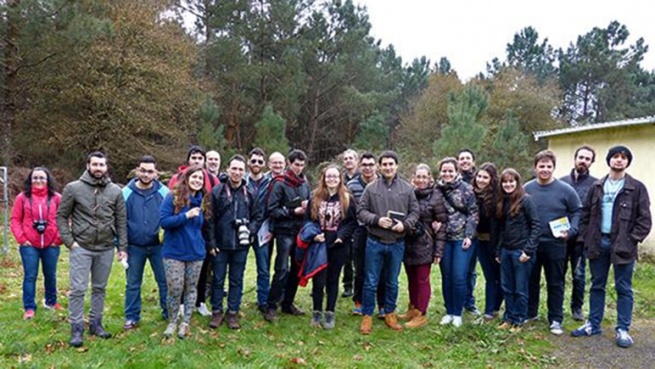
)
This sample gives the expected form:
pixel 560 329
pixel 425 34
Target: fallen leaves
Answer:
pixel 298 360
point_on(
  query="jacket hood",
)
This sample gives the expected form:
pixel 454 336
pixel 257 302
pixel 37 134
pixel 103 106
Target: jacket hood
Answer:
pixel 87 178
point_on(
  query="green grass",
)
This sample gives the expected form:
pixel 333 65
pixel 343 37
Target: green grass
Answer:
pixel 290 343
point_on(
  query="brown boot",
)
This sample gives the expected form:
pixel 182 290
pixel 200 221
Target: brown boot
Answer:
pixel 233 321
pixel 418 321
pixel 391 320
pixel 410 314
pixel 367 325
pixel 217 319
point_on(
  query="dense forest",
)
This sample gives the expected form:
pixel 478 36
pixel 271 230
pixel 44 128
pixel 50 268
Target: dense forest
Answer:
pixel 134 77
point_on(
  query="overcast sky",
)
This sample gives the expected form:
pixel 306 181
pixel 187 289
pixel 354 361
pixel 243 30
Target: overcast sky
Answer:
pixel 472 32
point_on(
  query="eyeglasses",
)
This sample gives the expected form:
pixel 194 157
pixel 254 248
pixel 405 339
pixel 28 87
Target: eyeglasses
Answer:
pixel 149 171
pixel 257 161
pixel 331 176
pixel 39 178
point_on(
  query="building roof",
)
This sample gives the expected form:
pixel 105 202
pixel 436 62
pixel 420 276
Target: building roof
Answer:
pixel 593 127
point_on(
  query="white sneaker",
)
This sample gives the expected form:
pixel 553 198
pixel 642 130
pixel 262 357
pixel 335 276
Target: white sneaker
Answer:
pixel 447 319
pixel 457 321
pixel 556 328
pixel 202 309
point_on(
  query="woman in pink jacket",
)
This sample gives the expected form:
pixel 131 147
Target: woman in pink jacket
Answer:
pixel 35 229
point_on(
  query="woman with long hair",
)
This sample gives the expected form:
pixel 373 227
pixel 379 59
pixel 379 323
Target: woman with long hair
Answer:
pixel 518 233
pixel 34 225
pixel 424 245
pixel 485 186
pixel 182 215
pixel 462 211
pixel 333 208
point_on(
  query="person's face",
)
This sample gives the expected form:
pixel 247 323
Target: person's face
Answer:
pixel 213 162
pixel 39 178
pixel 297 166
pixel 256 164
pixel 367 168
pixel 448 173
pixel 146 172
pixel 196 159
pixel 509 185
pixel 97 167
pixel 276 164
pixel 582 161
pixel 421 178
pixel 332 178
pixel 619 162
pixel 235 171
pixel 483 179
pixel 465 161
pixel 196 181
pixel 544 170
pixel 349 161
pixel 388 168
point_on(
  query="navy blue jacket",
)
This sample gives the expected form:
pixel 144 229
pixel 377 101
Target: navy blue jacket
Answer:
pixel 228 205
pixel 142 208
pixel 183 239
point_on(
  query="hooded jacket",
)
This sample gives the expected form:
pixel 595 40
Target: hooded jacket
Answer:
pixel 424 248
pixel 36 207
pixel 142 207
pixel 96 210
pixel 462 208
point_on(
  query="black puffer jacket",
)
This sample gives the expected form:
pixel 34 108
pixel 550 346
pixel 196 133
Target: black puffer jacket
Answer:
pixel 520 232
pixel 422 249
pixel 286 190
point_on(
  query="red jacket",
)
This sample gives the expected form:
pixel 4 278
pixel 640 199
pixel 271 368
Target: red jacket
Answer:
pixel 26 211
pixel 210 179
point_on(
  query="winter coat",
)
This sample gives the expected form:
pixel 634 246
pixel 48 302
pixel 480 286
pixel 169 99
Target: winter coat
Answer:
pixel 631 220
pixel 310 255
pixel 382 196
pixel 96 211
pixel 422 247
pixel 36 207
pixel 142 207
pixel 462 209
pixel 285 190
pixel 229 205
pixel 334 224
pixel 519 232
pixel 183 239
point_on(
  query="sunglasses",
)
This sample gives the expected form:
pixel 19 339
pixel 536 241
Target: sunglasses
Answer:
pixel 257 161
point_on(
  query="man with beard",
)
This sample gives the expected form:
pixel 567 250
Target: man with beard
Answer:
pixel 287 204
pixel 143 198
pixel 466 165
pixel 555 200
pixel 580 180
pixel 258 184
pixel 615 218
pixel 350 171
pixel 90 218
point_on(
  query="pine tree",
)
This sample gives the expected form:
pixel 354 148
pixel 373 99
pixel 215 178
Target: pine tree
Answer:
pixel 270 130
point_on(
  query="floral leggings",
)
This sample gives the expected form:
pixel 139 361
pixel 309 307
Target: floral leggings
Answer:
pixel 181 277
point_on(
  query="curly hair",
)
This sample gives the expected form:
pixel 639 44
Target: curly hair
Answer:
pixel 182 192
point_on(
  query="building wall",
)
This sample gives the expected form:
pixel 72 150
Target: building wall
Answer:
pixel 640 139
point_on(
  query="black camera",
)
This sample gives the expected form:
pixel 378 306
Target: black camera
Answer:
pixel 40 225
pixel 243 233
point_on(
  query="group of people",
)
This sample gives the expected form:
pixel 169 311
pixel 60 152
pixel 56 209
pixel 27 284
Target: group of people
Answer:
pixel 362 218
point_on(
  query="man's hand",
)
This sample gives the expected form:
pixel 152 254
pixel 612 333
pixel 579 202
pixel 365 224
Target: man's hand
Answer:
pixel 398 227
pixel 385 222
pixel 524 257
pixel 299 210
pixel 563 235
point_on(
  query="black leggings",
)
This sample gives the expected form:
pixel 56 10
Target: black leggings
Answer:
pixel 328 279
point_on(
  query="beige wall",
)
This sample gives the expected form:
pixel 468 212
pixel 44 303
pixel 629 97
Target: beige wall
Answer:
pixel 640 139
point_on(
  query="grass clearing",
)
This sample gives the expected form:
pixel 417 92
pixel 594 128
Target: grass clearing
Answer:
pixel 290 343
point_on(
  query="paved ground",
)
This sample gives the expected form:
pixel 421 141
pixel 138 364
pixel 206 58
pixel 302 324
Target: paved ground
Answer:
pixel 601 351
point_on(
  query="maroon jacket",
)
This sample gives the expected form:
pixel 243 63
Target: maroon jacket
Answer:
pixel 631 220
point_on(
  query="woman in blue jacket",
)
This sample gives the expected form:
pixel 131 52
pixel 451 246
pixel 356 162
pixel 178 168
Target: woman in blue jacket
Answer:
pixel 182 215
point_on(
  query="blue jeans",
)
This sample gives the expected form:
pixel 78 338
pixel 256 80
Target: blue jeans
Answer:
pixel 515 278
pixel 454 269
pixel 284 284
pixel 493 292
pixel 48 257
pixel 379 256
pixel 263 272
pixel 623 284
pixel 236 260
pixel 471 279
pixel 136 259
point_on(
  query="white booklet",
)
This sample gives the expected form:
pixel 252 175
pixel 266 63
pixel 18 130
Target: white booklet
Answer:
pixel 264 234
pixel 559 226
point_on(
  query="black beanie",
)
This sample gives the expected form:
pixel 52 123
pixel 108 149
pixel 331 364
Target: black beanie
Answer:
pixel 194 149
pixel 620 149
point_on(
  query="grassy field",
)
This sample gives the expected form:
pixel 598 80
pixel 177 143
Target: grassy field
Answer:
pixel 290 343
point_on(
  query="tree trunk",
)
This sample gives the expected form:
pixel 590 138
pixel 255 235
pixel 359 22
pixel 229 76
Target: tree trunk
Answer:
pixel 11 81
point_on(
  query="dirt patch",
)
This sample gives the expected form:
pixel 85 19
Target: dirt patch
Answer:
pixel 602 352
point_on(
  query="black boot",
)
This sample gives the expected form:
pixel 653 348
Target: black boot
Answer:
pixel 77 331
pixel 96 329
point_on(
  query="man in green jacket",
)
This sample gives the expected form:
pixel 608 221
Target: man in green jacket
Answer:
pixel 91 219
